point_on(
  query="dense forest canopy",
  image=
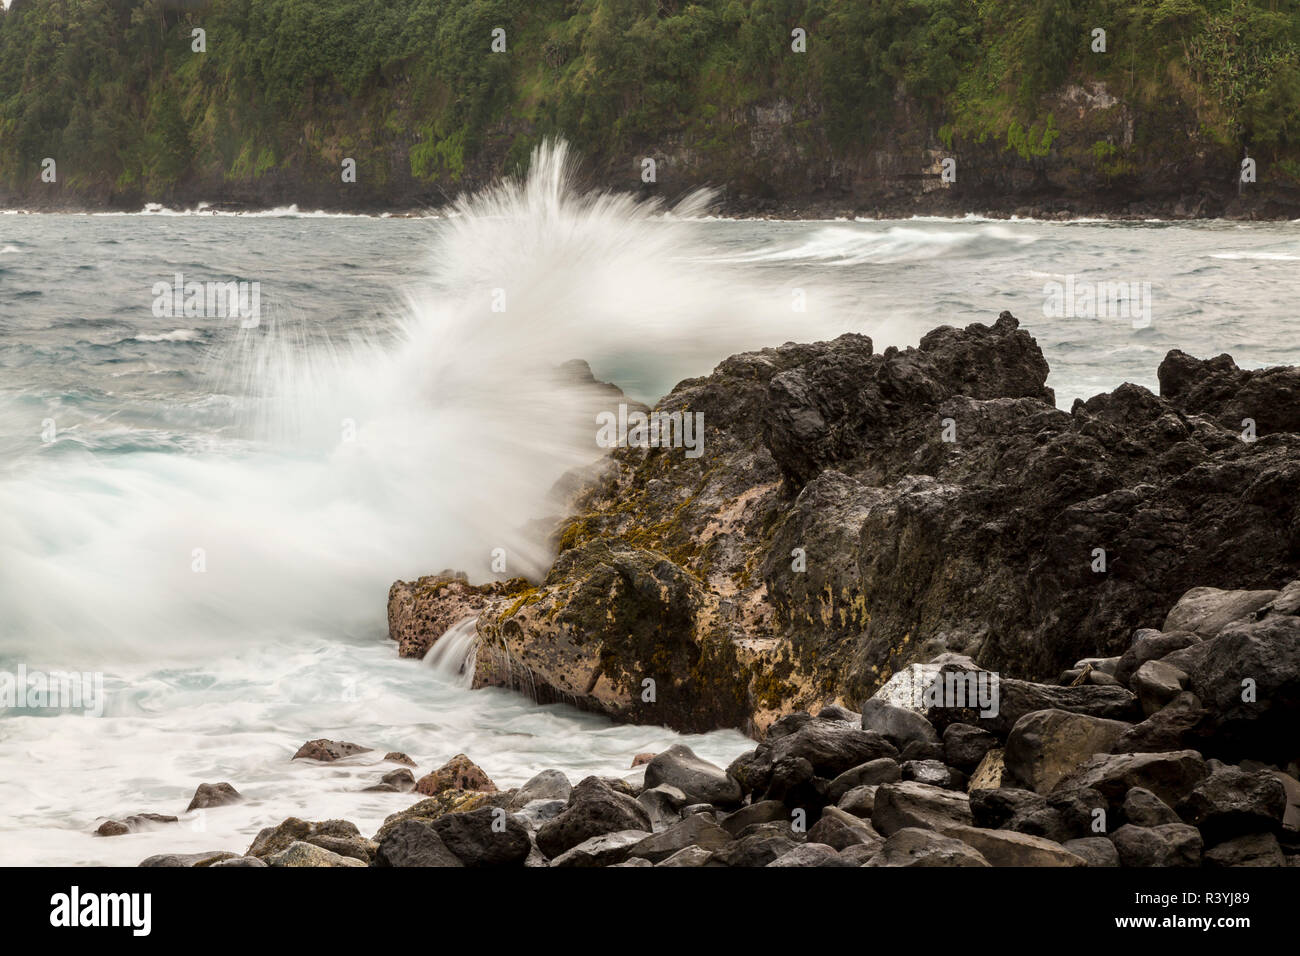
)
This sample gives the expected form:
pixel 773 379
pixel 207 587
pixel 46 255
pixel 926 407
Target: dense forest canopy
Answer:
pixel 114 90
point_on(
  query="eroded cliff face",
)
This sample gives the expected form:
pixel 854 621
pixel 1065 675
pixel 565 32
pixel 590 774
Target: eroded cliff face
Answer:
pixel 855 512
pixel 1105 157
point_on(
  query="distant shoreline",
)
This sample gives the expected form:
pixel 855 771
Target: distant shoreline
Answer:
pixel 988 215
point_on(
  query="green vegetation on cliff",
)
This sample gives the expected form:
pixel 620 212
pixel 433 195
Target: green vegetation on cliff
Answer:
pixel 114 91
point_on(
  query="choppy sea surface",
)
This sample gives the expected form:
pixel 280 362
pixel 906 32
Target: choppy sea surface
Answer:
pixel 209 515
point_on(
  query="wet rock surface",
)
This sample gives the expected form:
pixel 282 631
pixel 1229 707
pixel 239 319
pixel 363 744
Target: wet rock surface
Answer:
pixel 855 512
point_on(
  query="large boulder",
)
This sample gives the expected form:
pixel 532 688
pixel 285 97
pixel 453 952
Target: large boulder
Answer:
pixel 547 785
pixel 1144 809
pixel 841 830
pixel 912 804
pixel 934 772
pixel 1045 746
pixel 486 837
pixel 608 849
pixel 1251 849
pixel 594 808
pixel 1232 801
pixel 664 804
pixel 869 774
pixel 899 725
pixel 811 854
pixel 1170 776
pixel 831 747
pixel 699 780
pixel 691 856
pixel 1207 611
pixel 764 811
pixel 411 843
pixel 1016 698
pixel 1248 678
pixel 696 830
pixel 1096 851
pixel 1157 683
pixel 756 849
pixel 1151 645
pixel 965 745
pixel 1182 724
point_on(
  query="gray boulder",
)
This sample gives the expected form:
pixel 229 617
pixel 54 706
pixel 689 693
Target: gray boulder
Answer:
pixel 414 844
pixel 841 830
pixel 872 773
pixel 608 849
pixel 1157 683
pixel 1045 746
pixel 1008 848
pixel 547 785
pixel 898 725
pixel 1207 611
pixel 487 837
pixel 765 811
pixel 964 746
pixel 1248 678
pixel 912 804
pixel 1143 808
pixel 701 781
pixel 1170 844
pixel 696 830
pixel 1170 776
pixel 594 808
pixel 1231 801
pixel 1151 645
pixel 664 803
pixel 1252 849
pixel 860 801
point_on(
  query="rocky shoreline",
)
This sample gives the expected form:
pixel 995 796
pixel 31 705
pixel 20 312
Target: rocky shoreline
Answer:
pixel 1189 207
pixel 1110 766
pixel 863 530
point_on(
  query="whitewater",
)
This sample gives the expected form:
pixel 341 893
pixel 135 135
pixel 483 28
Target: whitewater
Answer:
pixel 397 411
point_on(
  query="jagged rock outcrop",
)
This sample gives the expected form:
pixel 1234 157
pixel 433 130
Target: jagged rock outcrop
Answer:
pixel 855 512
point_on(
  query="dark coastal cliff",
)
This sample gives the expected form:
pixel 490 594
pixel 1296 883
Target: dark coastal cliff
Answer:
pixel 788 107
pixel 856 512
